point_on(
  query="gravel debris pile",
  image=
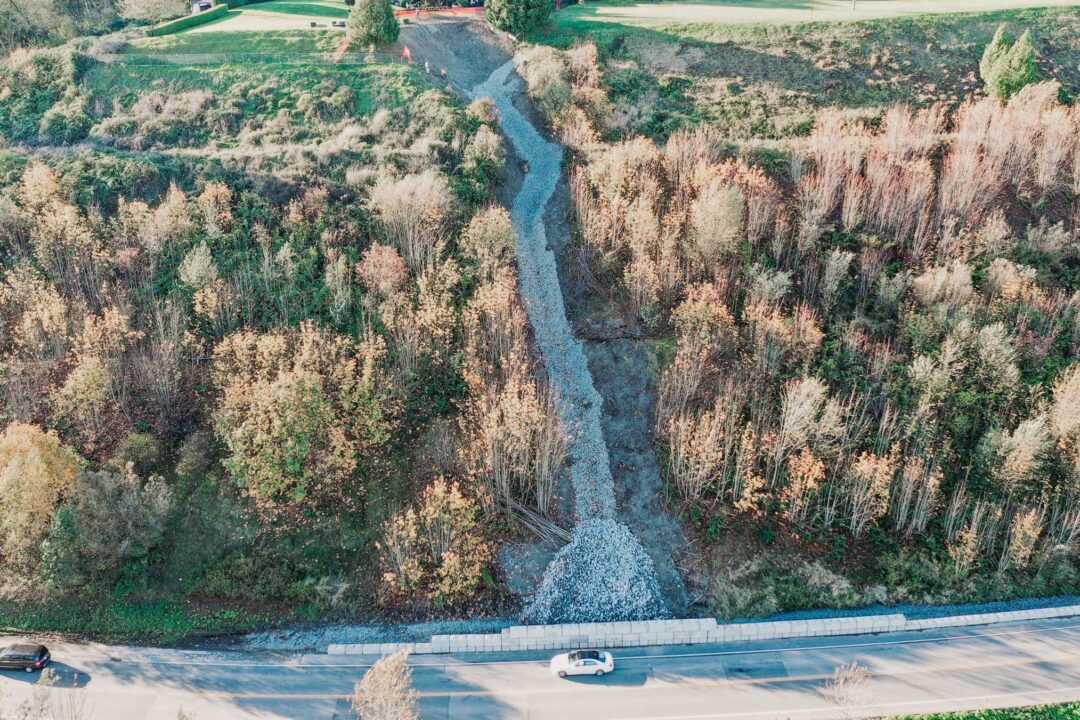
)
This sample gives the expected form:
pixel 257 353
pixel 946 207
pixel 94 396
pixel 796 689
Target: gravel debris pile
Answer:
pixel 603 575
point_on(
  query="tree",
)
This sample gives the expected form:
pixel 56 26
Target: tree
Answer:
pixel 518 16
pixel 372 22
pixel 437 548
pixel 36 474
pixel 994 52
pixel 386 692
pixel 1017 69
pixel 1006 69
pixel 113 518
pixel 298 410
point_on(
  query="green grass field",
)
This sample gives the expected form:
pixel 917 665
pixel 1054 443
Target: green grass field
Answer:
pixel 277 15
pixel 699 20
pixel 766 81
pixel 305 8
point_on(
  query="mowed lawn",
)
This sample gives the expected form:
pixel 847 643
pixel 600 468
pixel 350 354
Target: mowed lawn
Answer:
pixel 278 15
pixel 660 14
pixel 768 80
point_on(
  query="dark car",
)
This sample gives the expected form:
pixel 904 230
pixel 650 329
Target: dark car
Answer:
pixel 24 657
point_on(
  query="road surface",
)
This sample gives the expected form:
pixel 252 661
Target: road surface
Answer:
pixel 1002 665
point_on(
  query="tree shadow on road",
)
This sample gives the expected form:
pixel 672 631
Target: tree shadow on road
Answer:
pixel 67 676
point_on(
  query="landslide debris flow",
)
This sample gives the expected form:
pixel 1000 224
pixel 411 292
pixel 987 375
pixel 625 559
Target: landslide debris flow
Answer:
pixel 603 574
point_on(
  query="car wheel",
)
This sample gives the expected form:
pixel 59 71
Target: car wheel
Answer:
pixel 599 673
pixel 562 673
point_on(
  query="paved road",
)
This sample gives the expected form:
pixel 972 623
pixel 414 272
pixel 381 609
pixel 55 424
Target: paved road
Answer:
pixel 1002 665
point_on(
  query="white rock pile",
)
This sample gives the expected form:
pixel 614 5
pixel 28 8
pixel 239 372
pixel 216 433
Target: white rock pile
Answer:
pixel 603 575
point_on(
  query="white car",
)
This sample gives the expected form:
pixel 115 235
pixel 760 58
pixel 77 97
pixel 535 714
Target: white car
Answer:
pixel 582 662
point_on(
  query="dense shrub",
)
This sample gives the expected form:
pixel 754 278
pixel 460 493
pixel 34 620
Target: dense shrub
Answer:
pixel 33 84
pixel 518 16
pixel 65 122
pixel 372 22
pixel 1006 68
pixel 189 21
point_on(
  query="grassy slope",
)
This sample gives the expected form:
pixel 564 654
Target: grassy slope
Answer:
pixel 768 80
pixel 281 41
pixel 266 86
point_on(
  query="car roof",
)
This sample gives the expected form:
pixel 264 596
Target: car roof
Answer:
pixel 22 649
pixel 586 654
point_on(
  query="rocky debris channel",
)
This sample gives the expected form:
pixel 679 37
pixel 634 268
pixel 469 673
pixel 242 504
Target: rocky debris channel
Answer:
pixel 603 574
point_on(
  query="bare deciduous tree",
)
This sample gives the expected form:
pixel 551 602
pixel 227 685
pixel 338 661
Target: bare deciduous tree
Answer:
pixel 386 692
pixel 848 687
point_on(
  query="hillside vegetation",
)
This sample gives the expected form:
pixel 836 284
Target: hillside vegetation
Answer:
pixel 865 335
pixel 263 355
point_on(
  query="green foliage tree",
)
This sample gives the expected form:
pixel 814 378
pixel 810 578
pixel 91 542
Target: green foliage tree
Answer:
pixel 518 16
pixel 1017 69
pixel 298 411
pixel 113 518
pixel 372 22
pixel 994 52
pixel 1006 68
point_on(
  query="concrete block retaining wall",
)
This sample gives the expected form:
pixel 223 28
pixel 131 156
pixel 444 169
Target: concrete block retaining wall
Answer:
pixel 984 619
pixel 696 631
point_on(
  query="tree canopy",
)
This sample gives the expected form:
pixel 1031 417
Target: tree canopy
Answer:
pixel 1006 68
pixel 518 16
pixel 372 22
pixel 36 473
